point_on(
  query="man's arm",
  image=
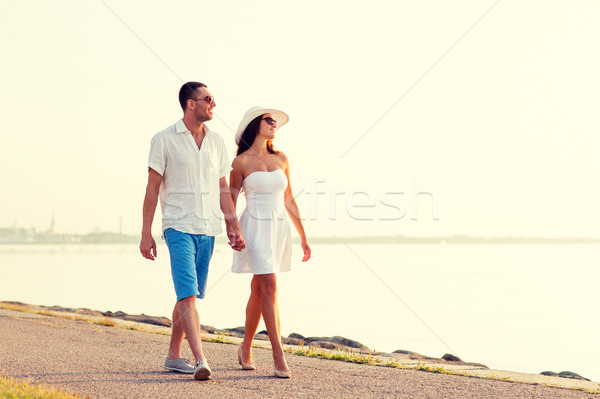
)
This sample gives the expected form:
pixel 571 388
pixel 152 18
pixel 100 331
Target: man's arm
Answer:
pixel 232 225
pixel 147 243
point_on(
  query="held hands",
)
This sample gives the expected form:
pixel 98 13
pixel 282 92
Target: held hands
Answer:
pixel 148 247
pixel 306 250
pixel 236 241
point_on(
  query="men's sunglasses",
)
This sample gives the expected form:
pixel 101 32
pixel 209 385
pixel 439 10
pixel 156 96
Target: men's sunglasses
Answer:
pixel 270 121
pixel 209 99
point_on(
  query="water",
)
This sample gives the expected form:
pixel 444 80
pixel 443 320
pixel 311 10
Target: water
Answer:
pixel 519 307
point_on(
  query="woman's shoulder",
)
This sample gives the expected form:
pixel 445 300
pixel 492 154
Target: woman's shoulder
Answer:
pixel 282 157
pixel 240 161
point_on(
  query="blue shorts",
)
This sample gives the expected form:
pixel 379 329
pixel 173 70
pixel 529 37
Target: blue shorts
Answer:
pixel 190 255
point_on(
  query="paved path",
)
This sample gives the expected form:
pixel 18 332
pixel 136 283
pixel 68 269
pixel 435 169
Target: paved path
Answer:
pixel 109 362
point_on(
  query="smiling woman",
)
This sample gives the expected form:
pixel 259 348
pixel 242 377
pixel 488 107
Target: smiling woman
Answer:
pixel 263 174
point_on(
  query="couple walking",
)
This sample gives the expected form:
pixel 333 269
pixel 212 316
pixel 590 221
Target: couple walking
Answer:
pixel 187 170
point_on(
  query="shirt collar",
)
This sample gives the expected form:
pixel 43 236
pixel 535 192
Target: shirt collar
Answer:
pixel 181 128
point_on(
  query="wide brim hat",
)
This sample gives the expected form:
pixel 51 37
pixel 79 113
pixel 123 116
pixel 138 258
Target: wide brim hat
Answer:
pixel 281 117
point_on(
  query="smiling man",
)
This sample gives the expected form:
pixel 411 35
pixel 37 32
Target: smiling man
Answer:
pixel 187 167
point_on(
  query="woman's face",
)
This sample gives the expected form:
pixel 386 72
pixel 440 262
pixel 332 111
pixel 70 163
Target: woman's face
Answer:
pixel 267 127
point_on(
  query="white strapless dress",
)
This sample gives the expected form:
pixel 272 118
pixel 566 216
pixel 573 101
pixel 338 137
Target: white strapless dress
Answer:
pixel 265 226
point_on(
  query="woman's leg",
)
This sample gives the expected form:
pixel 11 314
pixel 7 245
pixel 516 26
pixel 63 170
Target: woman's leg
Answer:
pixel 270 312
pixel 253 314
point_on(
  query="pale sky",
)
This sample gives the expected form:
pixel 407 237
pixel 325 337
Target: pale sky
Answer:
pixel 492 107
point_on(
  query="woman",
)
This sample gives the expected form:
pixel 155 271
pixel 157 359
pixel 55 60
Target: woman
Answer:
pixel 264 174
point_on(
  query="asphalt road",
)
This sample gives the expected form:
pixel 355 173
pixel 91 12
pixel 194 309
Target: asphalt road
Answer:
pixel 109 362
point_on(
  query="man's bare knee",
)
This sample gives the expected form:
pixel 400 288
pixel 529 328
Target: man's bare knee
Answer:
pixel 186 304
pixel 188 300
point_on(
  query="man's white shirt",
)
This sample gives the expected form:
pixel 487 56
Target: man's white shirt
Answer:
pixel 189 191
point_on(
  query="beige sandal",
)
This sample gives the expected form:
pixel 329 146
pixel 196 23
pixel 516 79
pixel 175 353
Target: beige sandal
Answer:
pixel 245 366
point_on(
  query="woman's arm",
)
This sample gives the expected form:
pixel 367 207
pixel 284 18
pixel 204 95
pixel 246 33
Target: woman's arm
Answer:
pixel 232 225
pixel 235 180
pixel 294 213
pixel 229 195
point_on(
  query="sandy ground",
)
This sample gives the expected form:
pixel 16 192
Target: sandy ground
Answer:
pixel 109 362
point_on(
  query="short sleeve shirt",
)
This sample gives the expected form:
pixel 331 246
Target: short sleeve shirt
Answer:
pixel 189 191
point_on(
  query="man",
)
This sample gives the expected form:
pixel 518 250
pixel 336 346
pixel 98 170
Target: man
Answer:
pixel 187 168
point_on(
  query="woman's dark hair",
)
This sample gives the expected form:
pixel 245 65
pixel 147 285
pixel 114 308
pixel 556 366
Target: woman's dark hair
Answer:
pixel 249 136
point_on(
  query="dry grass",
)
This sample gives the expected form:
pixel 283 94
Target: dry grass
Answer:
pixel 13 389
pixel 345 356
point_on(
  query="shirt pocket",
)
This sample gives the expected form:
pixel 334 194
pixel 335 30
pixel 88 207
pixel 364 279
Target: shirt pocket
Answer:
pixel 210 167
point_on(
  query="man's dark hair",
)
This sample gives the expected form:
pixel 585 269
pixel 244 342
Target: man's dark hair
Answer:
pixel 188 92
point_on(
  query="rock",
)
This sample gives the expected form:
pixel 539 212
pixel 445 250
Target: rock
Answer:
pixel 263 337
pixel 118 314
pixel 451 358
pixel 565 374
pixel 570 374
pixel 292 341
pixel 376 353
pixel 549 373
pixel 263 332
pixel 140 318
pixel 234 332
pixel 350 343
pixel 237 330
pixel 296 336
pixel 325 345
pixel 209 329
pixel 335 346
pixel 83 311
pixel 88 312
pixel 412 355
pixel 340 341
pixel 154 320
pixel 404 352
pixel 17 303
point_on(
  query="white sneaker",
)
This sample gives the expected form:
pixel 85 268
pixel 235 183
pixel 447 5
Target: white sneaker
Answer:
pixel 202 371
pixel 180 365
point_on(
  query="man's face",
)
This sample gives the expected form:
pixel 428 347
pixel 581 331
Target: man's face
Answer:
pixel 202 106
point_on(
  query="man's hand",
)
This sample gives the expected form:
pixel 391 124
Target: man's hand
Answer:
pixel 148 247
pixel 236 241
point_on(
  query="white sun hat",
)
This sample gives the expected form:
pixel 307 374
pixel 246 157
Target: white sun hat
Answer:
pixel 281 117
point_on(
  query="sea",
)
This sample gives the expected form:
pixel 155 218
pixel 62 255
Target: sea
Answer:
pixel 519 307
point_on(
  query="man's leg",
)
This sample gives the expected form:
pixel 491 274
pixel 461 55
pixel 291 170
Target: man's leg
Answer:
pixel 186 321
pixel 204 246
pixel 183 251
pixel 177 335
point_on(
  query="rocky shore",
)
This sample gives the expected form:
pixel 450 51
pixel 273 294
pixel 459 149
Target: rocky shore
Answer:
pixel 331 343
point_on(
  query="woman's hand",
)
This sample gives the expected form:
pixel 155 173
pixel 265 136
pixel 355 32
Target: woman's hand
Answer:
pixel 306 250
